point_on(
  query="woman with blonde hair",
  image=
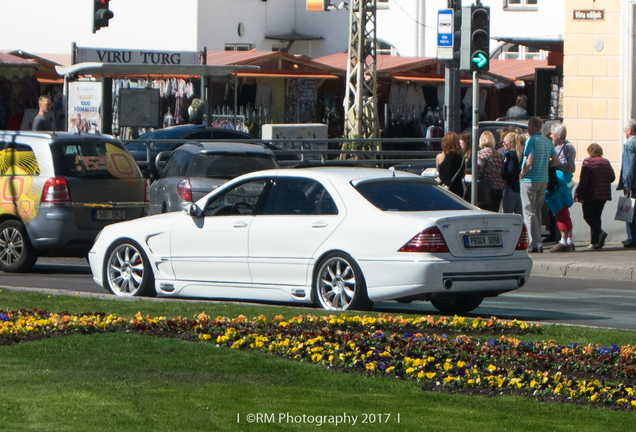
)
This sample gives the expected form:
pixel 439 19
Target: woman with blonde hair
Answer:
pixel 450 164
pixel 513 145
pixel 594 189
pixel 489 166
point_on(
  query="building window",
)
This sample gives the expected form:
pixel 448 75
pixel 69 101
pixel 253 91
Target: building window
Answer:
pixel 238 47
pixel 520 5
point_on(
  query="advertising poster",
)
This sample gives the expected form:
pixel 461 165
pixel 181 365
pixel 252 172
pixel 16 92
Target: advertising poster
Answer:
pixel 85 107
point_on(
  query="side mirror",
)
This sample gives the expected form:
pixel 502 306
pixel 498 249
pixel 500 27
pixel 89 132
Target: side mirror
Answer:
pixel 193 210
pixel 161 159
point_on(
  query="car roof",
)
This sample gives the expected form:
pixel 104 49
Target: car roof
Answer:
pixel 180 131
pixel 338 174
pixel 215 146
pixel 56 136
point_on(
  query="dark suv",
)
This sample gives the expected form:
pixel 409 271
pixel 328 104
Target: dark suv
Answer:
pixel 58 190
pixel 146 148
pixel 196 168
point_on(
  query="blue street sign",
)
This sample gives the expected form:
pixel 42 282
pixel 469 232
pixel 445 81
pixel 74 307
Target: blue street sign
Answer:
pixel 445 28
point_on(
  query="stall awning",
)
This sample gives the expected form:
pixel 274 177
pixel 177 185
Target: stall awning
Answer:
pixel 117 69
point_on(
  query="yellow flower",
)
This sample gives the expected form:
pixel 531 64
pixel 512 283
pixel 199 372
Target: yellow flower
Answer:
pixel 461 364
pixel 430 375
pixel 594 397
pixel 492 368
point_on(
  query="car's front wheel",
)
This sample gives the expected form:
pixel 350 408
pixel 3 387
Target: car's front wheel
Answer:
pixel 127 271
pixel 17 254
pixel 339 284
pixel 458 305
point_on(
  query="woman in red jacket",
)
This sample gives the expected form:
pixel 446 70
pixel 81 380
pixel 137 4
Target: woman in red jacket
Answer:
pixel 593 191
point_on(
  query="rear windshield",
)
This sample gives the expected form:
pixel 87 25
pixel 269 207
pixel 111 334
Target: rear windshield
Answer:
pixel 409 195
pixel 228 166
pixel 93 159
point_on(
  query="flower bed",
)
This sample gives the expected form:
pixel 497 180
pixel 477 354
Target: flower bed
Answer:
pixel 406 348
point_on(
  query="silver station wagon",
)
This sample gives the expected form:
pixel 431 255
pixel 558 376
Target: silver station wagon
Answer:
pixel 58 190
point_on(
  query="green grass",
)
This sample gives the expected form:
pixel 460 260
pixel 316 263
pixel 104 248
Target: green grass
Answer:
pixel 126 382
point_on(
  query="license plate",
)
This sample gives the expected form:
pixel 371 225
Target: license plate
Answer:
pixel 109 214
pixel 482 240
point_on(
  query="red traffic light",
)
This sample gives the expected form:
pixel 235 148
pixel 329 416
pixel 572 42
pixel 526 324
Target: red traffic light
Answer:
pixel 101 14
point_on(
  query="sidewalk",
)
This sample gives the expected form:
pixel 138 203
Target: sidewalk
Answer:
pixel 613 262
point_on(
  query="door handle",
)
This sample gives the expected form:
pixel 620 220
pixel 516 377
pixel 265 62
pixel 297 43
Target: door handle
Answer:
pixel 320 224
pixel 239 224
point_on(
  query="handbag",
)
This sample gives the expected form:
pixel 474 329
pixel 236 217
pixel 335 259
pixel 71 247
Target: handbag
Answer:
pixel 625 209
pixel 553 180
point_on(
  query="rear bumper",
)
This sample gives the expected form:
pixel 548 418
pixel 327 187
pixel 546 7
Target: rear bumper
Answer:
pixel 55 229
pixel 439 277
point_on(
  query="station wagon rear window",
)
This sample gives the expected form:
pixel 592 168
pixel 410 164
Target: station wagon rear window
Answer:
pixel 93 159
pixel 408 195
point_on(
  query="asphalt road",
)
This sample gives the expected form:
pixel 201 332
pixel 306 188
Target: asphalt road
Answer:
pixel 561 300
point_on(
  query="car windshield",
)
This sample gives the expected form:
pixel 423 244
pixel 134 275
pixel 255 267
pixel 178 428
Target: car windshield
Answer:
pixel 228 166
pixel 93 158
pixel 408 195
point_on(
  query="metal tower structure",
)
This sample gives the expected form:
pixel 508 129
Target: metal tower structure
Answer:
pixel 361 110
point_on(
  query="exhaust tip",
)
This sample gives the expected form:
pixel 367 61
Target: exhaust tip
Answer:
pixel 448 284
pixel 521 282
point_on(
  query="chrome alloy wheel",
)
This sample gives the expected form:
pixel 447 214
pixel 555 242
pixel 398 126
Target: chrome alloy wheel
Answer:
pixel 11 246
pixel 336 284
pixel 125 270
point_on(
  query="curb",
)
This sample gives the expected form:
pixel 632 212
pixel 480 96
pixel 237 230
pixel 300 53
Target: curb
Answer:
pixel 582 270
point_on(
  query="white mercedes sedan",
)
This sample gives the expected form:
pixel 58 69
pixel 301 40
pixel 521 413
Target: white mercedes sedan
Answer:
pixel 338 237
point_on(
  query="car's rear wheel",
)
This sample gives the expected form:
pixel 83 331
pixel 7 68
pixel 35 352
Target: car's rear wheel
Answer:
pixel 127 271
pixel 16 251
pixel 458 305
pixel 339 284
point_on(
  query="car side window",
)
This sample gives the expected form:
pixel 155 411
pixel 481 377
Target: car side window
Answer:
pixel 18 159
pixel 299 196
pixel 177 165
pixel 242 199
pixel 228 135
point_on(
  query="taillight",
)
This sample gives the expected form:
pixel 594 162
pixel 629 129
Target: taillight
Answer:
pixel 56 191
pixel 184 189
pixel 429 240
pixel 522 244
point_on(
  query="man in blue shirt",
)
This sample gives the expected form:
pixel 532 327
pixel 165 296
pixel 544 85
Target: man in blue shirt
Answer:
pixel 628 174
pixel 538 155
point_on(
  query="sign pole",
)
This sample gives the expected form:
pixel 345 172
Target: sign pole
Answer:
pixel 475 137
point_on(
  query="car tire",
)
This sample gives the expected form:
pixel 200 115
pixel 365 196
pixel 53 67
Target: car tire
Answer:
pixel 339 284
pixel 127 271
pixel 17 254
pixel 458 305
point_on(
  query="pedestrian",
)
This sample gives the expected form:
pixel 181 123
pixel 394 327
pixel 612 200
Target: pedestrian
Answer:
pixel 489 165
pixel 627 181
pixel 519 109
pixel 538 155
pixel 594 189
pixel 560 200
pixel 450 164
pixel 513 148
pixel 41 121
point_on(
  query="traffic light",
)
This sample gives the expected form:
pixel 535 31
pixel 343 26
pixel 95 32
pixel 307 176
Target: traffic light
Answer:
pixel 101 14
pixel 479 38
pixel 457 36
